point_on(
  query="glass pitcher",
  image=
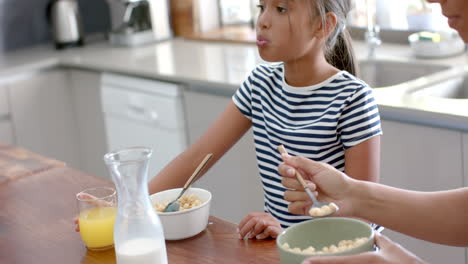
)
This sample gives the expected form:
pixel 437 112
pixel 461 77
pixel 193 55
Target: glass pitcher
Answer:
pixel 138 233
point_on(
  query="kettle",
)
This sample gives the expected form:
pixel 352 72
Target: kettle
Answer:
pixel 66 23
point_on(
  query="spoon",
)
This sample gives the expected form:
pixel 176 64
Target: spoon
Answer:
pixel 174 205
pixel 318 209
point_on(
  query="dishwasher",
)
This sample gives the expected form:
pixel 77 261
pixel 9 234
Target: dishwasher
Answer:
pixel 6 125
pixel 143 112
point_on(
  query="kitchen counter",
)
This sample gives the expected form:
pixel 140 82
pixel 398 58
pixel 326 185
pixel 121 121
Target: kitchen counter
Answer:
pixel 220 68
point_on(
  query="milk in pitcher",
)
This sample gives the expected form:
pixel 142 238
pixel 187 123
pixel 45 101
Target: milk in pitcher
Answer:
pixel 141 251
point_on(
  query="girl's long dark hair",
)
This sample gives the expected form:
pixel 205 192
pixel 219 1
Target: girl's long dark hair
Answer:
pixel 342 55
pixel 338 48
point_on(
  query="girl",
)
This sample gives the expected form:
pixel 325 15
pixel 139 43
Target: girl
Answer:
pixel 311 103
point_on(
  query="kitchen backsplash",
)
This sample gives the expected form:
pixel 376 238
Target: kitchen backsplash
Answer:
pixel 23 23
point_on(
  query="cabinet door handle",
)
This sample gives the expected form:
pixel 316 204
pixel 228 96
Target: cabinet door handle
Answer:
pixel 137 109
pixel 143 113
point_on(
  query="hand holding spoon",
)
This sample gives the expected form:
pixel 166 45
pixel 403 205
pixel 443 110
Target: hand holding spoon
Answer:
pixel 318 209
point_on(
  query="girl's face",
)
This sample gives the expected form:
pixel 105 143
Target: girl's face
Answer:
pixel 285 29
pixel 457 13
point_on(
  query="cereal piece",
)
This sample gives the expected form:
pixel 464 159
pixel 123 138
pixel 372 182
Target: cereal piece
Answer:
pixel 342 248
pixel 343 243
pixel 325 210
pixel 309 250
pixel 160 206
pixel 296 249
pixel 360 241
pixel 286 246
pixel 333 206
pixel 314 211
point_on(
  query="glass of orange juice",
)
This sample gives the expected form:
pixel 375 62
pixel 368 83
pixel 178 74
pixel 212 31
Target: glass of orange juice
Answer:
pixel 97 212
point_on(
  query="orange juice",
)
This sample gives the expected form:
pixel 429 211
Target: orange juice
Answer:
pixel 97 227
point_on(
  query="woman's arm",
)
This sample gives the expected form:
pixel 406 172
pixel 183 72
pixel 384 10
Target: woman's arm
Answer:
pixel 425 213
pixel 362 162
pixel 230 126
pixel 439 217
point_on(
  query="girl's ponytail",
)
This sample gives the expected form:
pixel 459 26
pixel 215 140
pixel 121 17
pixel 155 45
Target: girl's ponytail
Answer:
pixel 341 56
pixel 338 47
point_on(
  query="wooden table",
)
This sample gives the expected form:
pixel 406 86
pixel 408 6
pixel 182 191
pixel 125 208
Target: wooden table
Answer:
pixel 36 222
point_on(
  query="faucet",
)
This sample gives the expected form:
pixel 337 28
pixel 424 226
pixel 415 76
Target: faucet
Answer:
pixel 372 40
pixel 372 33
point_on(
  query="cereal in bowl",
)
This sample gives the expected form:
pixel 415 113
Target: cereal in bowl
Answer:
pixel 342 246
pixel 187 201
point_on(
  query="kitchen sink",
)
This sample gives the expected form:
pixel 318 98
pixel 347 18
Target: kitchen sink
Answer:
pixel 385 73
pixel 451 88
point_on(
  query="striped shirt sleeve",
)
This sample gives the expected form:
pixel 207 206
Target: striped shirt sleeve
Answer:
pixel 243 97
pixel 360 119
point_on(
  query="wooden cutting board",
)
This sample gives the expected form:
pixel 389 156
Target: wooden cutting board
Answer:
pixel 183 17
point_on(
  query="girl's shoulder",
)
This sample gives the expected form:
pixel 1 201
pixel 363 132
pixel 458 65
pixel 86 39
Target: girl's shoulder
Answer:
pixel 271 70
pixel 351 79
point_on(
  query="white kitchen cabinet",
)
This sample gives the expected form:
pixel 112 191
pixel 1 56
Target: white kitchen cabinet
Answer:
pixel 85 88
pixel 6 127
pixel 465 169
pixel 144 112
pixel 234 180
pixel 4 104
pixel 42 115
pixel 465 160
pixel 6 132
pixel 425 159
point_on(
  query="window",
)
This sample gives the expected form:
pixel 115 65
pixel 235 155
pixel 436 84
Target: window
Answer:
pixel 413 15
pixel 237 12
pixel 402 15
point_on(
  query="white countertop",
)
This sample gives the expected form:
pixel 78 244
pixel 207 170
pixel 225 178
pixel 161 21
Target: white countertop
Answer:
pixel 221 68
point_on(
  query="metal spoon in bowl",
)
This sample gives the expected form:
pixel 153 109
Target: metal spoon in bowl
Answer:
pixel 318 209
pixel 174 205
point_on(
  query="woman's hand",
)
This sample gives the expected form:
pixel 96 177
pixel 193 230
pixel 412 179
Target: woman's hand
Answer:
pixel 331 185
pixel 390 253
pixel 259 226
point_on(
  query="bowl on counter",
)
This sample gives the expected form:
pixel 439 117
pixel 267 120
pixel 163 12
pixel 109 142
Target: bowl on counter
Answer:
pixel 183 223
pixel 294 242
pixel 436 44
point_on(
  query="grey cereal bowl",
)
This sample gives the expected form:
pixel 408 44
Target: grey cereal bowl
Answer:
pixel 323 232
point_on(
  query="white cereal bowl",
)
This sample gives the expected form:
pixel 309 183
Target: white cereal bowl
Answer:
pixel 187 223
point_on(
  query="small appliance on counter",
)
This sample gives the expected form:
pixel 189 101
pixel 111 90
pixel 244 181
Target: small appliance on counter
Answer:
pixel 66 23
pixel 142 22
pixel 436 44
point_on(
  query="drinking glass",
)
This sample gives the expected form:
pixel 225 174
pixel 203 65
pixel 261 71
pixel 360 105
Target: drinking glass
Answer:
pixel 97 212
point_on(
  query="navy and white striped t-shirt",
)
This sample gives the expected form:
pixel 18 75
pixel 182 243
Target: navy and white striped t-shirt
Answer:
pixel 318 122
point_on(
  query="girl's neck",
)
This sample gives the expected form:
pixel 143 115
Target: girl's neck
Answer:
pixel 308 70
